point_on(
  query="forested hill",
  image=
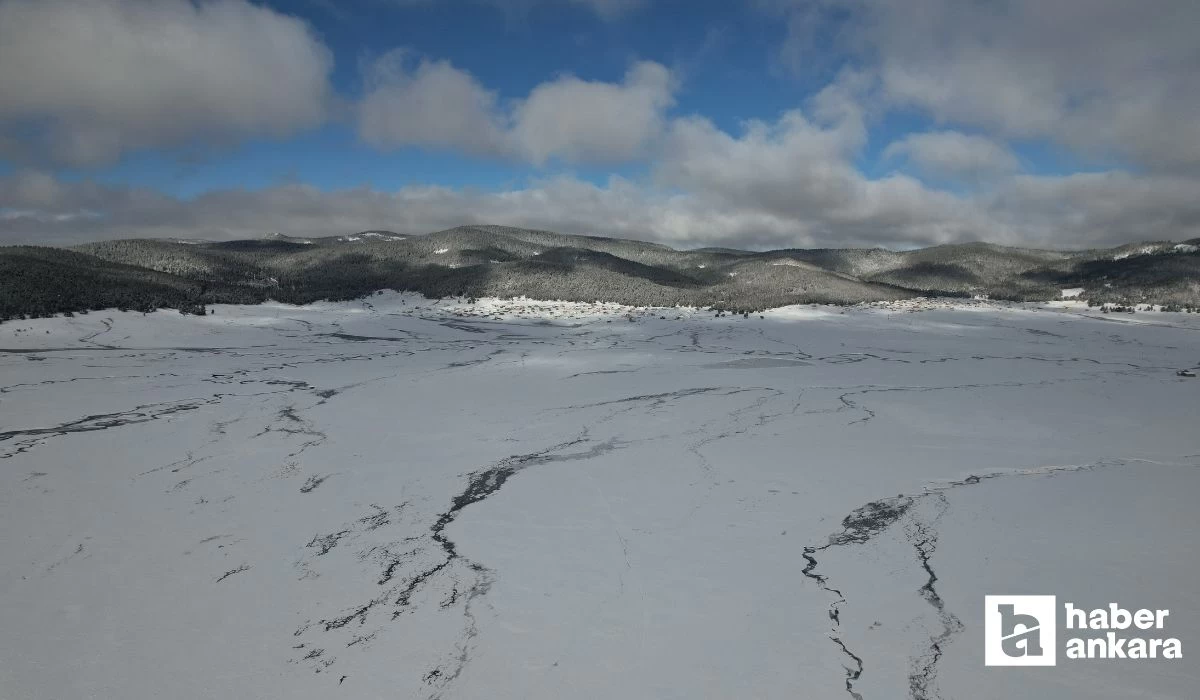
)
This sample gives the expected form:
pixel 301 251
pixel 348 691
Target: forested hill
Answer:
pixel 144 274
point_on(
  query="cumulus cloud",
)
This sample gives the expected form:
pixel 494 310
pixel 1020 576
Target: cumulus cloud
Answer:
pixel 85 81
pixel 1082 210
pixel 578 120
pixel 1097 208
pixel 1108 78
pixel 605 9
pixel 610 9
pixel 800 170
pixel 954 154
pixel 573 120
pixel 793 180
pixel 435 104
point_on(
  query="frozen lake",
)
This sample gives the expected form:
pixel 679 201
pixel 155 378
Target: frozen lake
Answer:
pixel 407 499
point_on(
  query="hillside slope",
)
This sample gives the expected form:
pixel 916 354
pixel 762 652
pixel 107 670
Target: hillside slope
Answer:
pixel 505 261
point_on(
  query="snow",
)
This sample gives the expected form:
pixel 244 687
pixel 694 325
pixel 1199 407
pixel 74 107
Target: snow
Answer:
pixel 1072 292
pixel 399 497
pixel 1144 250
pixel 441 251
pixel 360 237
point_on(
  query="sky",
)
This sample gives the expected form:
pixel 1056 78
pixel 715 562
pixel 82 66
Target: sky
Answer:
pixel 759 124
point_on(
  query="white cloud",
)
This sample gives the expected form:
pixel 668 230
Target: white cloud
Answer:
pixel 832 206
pixel 788 183
pixel 90 80
pixel 798 179
pixel 610 9
pixel 578 120
pixel 954 154
pixel 1097 208
pixel 1108 78
pixel 605 9
pixel 565 118
pixel 434 105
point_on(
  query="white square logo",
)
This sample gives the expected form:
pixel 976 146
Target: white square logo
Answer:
pixel 1020 630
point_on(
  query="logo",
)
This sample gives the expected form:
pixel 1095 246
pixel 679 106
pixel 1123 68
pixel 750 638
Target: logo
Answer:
pixel 1020 630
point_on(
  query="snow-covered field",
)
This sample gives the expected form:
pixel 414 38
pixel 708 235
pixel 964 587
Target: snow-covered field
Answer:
pixel 407 499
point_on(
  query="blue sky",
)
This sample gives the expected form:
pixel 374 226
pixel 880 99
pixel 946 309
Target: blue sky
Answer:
pixel 772 122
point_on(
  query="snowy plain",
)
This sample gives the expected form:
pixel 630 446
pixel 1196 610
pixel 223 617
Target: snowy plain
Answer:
pixel 403 498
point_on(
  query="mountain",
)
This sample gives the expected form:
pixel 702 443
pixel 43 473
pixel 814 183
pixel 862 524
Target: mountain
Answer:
pixel 504 261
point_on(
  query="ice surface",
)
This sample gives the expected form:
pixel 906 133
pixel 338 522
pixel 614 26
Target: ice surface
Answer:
pixel 515 499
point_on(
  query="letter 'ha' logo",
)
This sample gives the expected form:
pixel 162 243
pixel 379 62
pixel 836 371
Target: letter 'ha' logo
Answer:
pixel 1020 630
